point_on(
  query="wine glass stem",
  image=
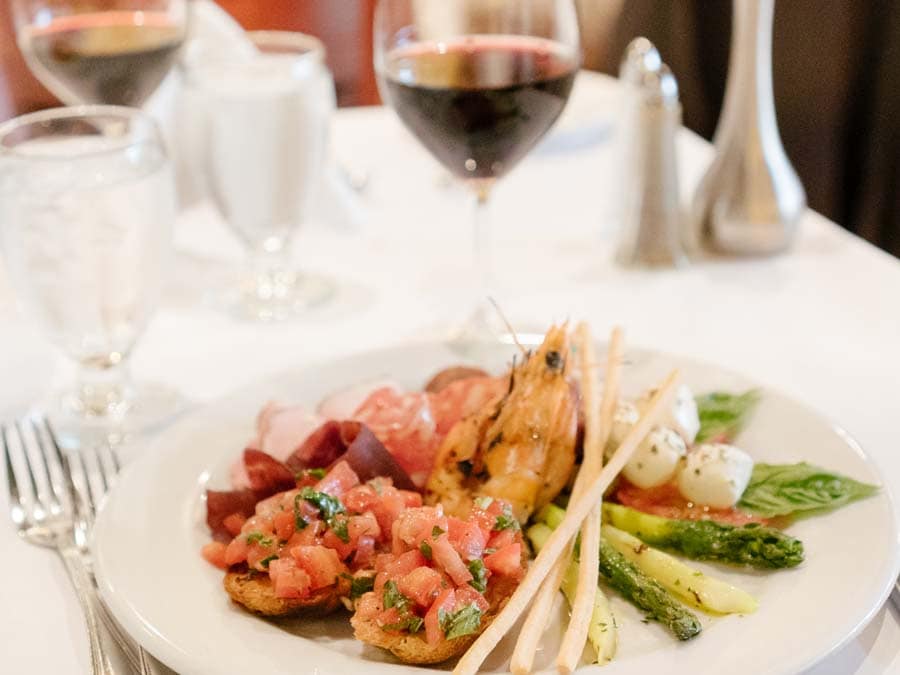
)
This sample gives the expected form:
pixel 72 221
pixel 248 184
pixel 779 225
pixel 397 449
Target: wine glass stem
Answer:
pixel 482 257
pixel 102 392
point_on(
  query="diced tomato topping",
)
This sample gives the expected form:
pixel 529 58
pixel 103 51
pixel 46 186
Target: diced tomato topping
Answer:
pixel 445 602
pixel 404 564
pixel 421 585
pixel 236 552
pixel 506 561
pixel 467 538
pixel 322 564
pixel 257 523
pixel 365 552
pixel 415 525
pixel 446 557
pixel 214 553
pixel 360 499
pixel 466 595
pixel 258 551
pixel 389 617
pixel 309 535
pixel 362 525
pixel 388 508
pixel 283 522
pixel 342 548
pixel 411 500
pixel 290 581
pixel 234 523
pixel 339 480
pixel 501 539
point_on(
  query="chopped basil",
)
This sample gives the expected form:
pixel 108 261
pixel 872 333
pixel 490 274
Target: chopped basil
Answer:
pixel 318 474
pixel 465 621
pixel 392 597
pixel 425 548
pixel 300 523
pixel 360 586
pixel 479 575
pixel 259 538
pixel 506 521
pixel 411 623
pixel 723 415
pixel 265 561
pixel 436 532
pixel 328 506
pixel 339 527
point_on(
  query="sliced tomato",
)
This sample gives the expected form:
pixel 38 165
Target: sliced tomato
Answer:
pixel 262 524
pixel 339 480
pixel 446 557
pixel 666 501
pixel 260 551
pixel 411 499
pixel 289 580
pixel 214 553
pixel 234 523
pixel 365 524
pixel 321 563
pixel 389 507
pixel 360 499
pixel 466 595
pixel 365 553
pixel 404 564
pixel 501 539
pixel 467 538
pixel 404 423
pixel 341 547
pixel 444 603
pixel 415 525
pixel 309 535
pixel 506 561
pixel 421 585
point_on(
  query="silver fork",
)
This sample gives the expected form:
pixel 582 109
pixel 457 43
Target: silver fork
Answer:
pixel 47 513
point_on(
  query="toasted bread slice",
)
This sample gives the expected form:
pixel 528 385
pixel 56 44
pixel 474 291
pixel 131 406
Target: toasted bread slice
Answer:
pixel 414 649
pixel 256 593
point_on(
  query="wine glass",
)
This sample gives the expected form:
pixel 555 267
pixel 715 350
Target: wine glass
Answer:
pixel 87 203
pixel 113 51
pixel 479 83
pixel 262 126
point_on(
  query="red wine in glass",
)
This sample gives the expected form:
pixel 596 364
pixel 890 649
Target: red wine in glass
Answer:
pixel 116 57
pixel 479 103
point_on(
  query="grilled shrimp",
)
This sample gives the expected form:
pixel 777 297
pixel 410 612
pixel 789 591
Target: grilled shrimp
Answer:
pixel 519 447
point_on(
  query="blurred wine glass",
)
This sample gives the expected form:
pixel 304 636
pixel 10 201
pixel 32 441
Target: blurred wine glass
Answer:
pixel 263 120
pixel 108 51
pixel 86 209
pixel 478 83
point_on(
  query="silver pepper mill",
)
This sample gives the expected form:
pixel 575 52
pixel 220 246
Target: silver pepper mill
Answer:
pixel 651 215
pixel 750 199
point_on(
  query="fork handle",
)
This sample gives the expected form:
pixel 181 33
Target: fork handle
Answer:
pixel 84 589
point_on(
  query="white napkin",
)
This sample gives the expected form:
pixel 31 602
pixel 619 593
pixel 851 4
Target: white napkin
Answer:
pixel 211 29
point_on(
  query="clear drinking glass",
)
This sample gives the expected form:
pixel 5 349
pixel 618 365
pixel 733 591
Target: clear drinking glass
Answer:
pixel 479 83
pixel 86 210
pixel 265 119
pixel 100 51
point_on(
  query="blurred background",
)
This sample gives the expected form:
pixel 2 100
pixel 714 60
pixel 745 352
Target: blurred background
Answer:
pixel 836 77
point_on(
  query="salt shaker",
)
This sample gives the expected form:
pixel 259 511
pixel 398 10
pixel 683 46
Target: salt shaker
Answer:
pixel 651 227
pixel 750 199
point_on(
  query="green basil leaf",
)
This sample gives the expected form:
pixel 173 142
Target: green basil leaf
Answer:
pixel 792 489
pixel 392 596
pixel 359 586
pixel 259 538
pixel 479 575
pixel 328 506
pixel 425 548
pixel 465 621
pixel 506 521
pixel 723 415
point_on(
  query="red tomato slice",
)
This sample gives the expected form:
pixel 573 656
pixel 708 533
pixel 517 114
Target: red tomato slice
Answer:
pixel 422 585
pixel 290 581
pixel 507 561
pixel 321 563
pixel 445 602
pixel 214 553
pixel 666 501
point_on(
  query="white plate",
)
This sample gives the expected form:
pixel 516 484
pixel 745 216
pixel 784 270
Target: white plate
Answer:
pixel 150 531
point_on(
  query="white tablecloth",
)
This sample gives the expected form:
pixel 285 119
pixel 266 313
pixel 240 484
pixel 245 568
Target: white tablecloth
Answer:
pixel 821 323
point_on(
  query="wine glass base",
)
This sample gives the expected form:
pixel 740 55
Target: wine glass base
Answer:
pixel 145 407
pixel 291 299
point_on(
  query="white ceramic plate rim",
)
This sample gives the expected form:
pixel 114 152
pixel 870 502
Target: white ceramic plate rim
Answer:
pixel 321 659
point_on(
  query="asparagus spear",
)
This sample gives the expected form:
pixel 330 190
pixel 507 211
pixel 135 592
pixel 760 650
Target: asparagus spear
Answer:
pixel 636 587
pixel 754 545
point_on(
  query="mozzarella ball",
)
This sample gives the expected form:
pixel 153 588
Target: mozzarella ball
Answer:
pixel 682 414
pixel 715 475
pixel 656 458
pixel 625 417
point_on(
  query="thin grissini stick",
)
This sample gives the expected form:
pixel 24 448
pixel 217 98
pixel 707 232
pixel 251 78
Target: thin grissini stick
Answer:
pixel 557 543
pixel 597 425
pixel 522 660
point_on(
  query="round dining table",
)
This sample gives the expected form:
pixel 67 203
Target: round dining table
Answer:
pixel 820 322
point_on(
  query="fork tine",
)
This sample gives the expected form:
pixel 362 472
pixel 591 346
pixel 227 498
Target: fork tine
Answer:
pixel 37 510
pixel 58 499
pixel 86 484
pixel 16 507
pixel 101 472
pixel 64 462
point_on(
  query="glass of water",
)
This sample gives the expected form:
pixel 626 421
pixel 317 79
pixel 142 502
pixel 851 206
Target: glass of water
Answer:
pixel 86 210
pixel 264 122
